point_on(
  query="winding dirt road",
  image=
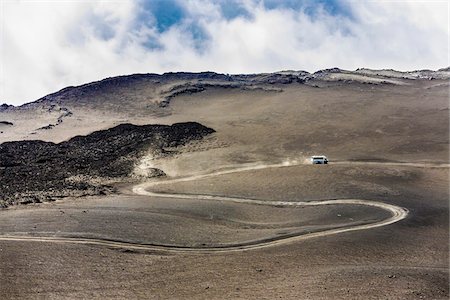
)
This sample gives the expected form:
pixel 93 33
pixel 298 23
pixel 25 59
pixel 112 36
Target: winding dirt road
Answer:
pixel 397 214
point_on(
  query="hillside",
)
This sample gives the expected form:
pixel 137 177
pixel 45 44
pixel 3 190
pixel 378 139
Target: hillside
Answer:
pixel 362 114
pixel 219 200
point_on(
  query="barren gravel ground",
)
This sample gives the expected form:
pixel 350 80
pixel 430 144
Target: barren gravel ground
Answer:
pixel 189 223
pixel 345 121
pixel 403 260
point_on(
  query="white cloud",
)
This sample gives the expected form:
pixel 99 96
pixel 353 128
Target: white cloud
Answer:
pixel 47 45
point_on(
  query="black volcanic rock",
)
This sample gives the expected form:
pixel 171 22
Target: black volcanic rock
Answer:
pixel 6 123
pixel 327 71
pixel 47 127
pixel 444 69
pixel 41 168
pixel 5 106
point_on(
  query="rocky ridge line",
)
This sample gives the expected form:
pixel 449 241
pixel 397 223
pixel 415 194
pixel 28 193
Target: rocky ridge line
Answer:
pixel 237 81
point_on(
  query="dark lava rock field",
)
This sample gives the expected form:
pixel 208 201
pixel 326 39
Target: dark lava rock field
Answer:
pixel 36 171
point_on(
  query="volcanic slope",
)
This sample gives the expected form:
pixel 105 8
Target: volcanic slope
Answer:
pixel 262 116
pixel 385 132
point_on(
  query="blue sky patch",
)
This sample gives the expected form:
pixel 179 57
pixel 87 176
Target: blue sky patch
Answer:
pixel 233 9
pixel 311 7
pixel 162 14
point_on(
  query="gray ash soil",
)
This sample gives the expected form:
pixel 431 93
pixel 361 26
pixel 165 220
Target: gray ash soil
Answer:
pixel 36 171
pixel 405 260
pixel 364 115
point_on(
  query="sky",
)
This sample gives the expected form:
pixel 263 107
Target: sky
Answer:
pixel 48 45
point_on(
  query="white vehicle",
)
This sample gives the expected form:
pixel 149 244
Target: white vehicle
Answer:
pixel 319 160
